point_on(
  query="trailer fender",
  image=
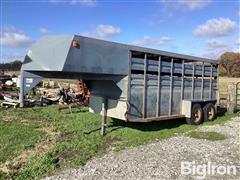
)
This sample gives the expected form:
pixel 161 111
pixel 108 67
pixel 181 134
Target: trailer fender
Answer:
pixel 186 108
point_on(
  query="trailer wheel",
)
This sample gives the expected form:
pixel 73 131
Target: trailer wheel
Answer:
pixel 197 115
pixel 209 112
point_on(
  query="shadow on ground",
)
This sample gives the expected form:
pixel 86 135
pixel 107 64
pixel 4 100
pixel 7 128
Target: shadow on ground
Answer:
pixel 149 126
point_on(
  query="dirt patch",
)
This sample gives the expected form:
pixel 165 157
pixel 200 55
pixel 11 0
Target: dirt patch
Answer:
pixel 66 154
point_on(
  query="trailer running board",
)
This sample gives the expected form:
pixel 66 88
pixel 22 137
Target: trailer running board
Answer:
pixel 160 118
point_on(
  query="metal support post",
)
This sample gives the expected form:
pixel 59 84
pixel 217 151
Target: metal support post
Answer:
pixel 21 95
pixel 104 116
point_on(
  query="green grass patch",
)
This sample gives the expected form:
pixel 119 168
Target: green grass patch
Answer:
pixel 80 138
pixel 15 137
pixel 221 119
pixel 211 136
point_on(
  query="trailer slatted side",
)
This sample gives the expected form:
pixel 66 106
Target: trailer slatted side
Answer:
pixel 157 86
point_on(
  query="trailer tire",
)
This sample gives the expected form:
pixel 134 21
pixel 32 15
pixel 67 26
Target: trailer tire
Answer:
pixel 196 116
pixel 209 112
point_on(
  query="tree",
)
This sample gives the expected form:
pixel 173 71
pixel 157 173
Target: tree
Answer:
pixel 230 64
pixel 11 66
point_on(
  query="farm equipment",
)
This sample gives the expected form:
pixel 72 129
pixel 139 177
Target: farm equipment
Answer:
pixel 130 83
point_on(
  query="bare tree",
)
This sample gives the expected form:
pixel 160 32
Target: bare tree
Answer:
pixel 230 64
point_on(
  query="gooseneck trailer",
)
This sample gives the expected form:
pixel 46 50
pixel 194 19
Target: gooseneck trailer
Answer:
pixel 127 82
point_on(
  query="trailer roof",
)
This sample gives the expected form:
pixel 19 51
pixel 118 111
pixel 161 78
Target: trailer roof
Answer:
pixel 160 52
pixel 57 53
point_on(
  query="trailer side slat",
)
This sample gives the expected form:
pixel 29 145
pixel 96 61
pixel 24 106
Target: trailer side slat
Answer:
pixel 171 86
pixel 210 87
pixel 159 88
pixel 193 75
pixel 202 84
pixel 144 87
pixel 182 82
pixel 129 77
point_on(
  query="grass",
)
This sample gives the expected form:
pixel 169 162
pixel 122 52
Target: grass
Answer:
pixel 70 140
pixel 76 137
pixel 211 136
pixel 15 137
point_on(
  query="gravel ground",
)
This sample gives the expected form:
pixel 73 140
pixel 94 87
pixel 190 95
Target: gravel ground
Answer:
pixel 162 159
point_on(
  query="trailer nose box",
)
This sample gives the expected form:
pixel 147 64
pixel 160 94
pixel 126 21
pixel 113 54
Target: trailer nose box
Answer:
pixel 139 84
pixel 97 57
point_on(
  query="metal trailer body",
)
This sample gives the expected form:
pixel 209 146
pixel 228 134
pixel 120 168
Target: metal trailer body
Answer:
pixel 126 82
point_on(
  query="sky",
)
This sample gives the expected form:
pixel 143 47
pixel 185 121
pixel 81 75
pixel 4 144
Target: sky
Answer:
pixel 200 28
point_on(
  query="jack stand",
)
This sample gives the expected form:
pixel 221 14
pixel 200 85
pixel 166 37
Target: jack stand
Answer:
pixel 104 116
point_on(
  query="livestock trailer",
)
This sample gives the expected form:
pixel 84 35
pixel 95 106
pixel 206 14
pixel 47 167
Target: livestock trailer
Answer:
pixel 126 82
